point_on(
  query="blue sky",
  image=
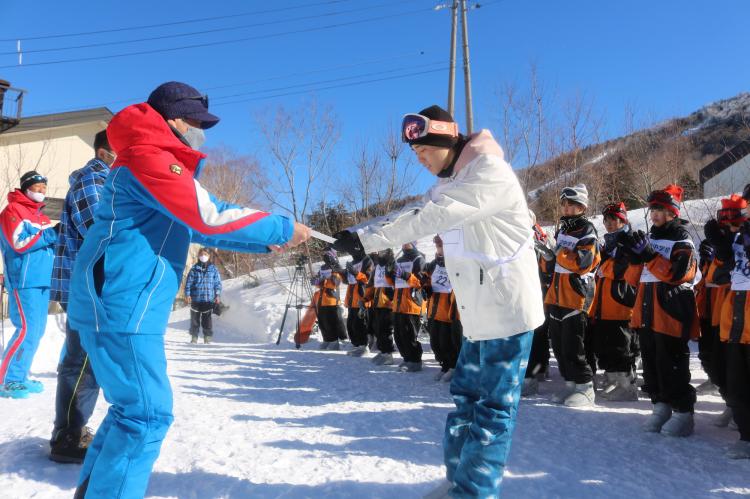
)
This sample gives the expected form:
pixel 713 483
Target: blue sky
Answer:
pixel 663 58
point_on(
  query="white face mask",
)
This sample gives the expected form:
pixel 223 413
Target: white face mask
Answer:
pixel 35 196
pixel 203 258
pixel 195 137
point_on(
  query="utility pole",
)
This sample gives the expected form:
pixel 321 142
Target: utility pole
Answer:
pixel 452 71
pixel 467 69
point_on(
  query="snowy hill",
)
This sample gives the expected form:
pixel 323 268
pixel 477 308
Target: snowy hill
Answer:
pixel 256 420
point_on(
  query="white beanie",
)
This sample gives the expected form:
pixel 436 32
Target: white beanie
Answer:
pixel 578 194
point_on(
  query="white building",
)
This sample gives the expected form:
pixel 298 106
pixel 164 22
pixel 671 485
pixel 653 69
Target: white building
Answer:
pixel 54 145
pixel 728 173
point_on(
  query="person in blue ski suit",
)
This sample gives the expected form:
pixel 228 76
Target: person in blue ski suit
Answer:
pixel 77 389
pixel 27 245
pixel 480 212
pixel 129 269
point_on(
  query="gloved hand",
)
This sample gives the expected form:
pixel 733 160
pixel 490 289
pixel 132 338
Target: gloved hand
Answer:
pixel 348 242
pixel 706 251
pixel 715 233
pixel 403 274
pixel 642 246
pixel 350 268
pixel 362 312
pixel 543 250
pixel 390 269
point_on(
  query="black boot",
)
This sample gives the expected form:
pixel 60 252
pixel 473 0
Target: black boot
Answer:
pixel 67 447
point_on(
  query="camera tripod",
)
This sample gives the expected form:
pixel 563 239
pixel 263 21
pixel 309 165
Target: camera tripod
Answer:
pixel 300 293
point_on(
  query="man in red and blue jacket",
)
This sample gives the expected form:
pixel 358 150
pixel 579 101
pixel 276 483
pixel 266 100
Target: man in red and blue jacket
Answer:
pixel 129 268
pixel 27 245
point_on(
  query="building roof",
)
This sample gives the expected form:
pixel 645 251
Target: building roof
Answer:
pixel 44 121
pixel 724 161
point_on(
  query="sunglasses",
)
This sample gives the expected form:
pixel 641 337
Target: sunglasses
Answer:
pixel 416 126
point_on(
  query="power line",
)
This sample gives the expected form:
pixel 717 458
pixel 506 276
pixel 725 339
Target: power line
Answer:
pixel 223 42
pixel 202 32
pixel 366 62
pixel 174 23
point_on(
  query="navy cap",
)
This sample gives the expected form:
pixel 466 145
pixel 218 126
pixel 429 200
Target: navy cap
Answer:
pixel 179 100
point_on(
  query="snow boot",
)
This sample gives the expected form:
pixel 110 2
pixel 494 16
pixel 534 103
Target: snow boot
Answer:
pixel 357 351
pixel 372 342
pixel 34 386
pixel 440 492
pixel 67 447
pixel 679 425
pixel 387 359
pixel 583 396
pixel 660 414
pixel 438 376
pixel 411 367
pixel 324 345
pixel 378 359
pixel 624 390
pixel 739 450
pixel 707 388
pixel 447 376
pixel 193 339
pixel 207 339
pixel 14 390
pixel 560 396
pixel 335 345
pixel 723 419
pixel 530 387
pixel 608 384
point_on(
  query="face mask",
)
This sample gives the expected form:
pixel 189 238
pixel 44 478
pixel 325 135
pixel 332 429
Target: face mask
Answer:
pixel 203 258
pixel 195 137
pixel 35 196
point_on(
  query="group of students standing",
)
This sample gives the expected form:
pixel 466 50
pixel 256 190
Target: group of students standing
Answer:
pixel 634 296
pixel 387 296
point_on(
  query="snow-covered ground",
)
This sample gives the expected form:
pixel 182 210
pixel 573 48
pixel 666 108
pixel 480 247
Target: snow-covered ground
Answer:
pixel 253 419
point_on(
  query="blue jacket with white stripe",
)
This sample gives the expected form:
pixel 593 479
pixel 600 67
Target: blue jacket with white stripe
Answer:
pixel 129 267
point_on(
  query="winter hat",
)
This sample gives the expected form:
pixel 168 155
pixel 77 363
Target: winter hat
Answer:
pixel 179 100
pixel 330 255
pixel 668 198
pixel 616 210
pixel 30 178
pixel 731 211
pixel 435 113
pixel 577 194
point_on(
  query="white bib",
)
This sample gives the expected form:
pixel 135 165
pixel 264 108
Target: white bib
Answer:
pixel 662 247
pixel 440 281
pixel 405 267
pixel 569 243
pixel 380 281
pixel 325 273
pixel 352 279
pixel 741 270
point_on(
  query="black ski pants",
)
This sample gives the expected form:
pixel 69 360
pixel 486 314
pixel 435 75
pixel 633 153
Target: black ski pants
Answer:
pixel 666 369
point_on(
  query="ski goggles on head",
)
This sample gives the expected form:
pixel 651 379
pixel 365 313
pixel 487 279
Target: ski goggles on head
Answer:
pixel 568 193
pixel 661 198
pixel 416 126
pixel 730 216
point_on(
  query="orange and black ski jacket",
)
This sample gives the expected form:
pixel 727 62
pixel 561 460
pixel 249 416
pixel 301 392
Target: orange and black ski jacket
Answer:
pixel 408 298
pixel 665 302
pixel 716 283
pixel 380 290
pixel 735 310
pixel 357 281
pixel 616 285
pixel 436 287
pixel 577 256
pixel 328 281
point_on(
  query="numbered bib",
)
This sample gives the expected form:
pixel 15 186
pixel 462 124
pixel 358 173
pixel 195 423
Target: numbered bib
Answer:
pixel 741 270
pixel 567 242
pixel 405 267
pixel 352 279
pixel 664 248
pixel 440 281
pixel 380 281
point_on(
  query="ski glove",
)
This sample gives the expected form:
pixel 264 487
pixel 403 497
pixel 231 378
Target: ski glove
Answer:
pixel 642 246
pixel 706 251
pixel 720 238
pixel 544 251
pixel 348 242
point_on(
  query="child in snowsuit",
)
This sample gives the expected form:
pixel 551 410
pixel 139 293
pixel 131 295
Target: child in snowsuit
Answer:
pixel 380 293
pixel 570 297
pixel 445 336
pixel 27 244
pixel 357 275
pixel 407 307
pixel 203 292
pixel 616 282
pixel 330 318
pixel 665 313
pixel 732 244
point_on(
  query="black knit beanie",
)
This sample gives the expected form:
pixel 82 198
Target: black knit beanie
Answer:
pixel 30 178
pixel 436 113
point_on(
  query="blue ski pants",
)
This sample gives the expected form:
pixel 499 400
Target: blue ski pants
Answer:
pixel 28 313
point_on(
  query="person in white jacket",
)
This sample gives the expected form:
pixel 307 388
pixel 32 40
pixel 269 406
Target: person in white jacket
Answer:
pixel 480 212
